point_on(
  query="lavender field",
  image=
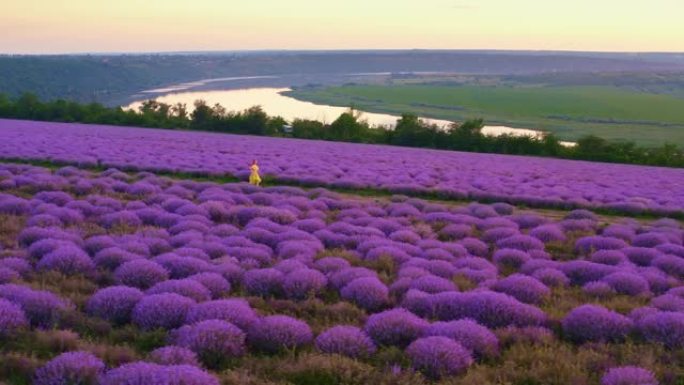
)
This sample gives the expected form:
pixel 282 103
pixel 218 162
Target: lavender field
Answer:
pixel 132 278
pixel 535 182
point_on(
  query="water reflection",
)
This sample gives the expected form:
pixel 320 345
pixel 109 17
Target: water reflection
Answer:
pixel 276 104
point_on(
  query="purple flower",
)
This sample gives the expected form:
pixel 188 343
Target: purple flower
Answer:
pixel 144 373
pixel 608 257
pixel 329 265
pixel 641 256
pixel 666 328
pixel 473 336
pixel 628 375
pixel 275 333
pixel 367 292
pixel 113 257
pixel 649 240
pixel 395 327
pixel 236 311
pixel 551 277
pixel 174 355
pixel 214 282
pixel 41 307
pixel 348 341
pixel 114 303
pixel 8 275
pixel 627 283
pixel 581 272
pixel 587 245
pixel 182 267
pixel 185 287
pixel 20 265
pixel 439 356
pixel 342 277
pixel 70 368
pixel 263 282
pixel 511 257
pixel 212 340
pixel 520 242
pixel 432 284
pixel 140 273
pixel 522 287
pixel 670 264
pixel 67 259
pixel 595 323
pixel 12 318
pixel 302 283
pixel 121 218
pixel 166 311
pixel 598 289
pixel 488 308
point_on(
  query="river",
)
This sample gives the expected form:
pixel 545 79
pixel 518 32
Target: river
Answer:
pixel 275 103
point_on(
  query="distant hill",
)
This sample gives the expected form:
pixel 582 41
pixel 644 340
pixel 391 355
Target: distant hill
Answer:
pixel 112 79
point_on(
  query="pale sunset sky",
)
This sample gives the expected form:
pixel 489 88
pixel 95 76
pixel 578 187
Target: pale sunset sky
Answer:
pixel 74 26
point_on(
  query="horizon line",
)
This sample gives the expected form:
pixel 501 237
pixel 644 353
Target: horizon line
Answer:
pixel 340 50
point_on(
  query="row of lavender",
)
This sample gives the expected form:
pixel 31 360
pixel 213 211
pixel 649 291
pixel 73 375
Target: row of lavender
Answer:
pixel 180 255
pixel 532 181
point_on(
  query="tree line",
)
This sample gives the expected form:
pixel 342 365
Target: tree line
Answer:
pixel 409 130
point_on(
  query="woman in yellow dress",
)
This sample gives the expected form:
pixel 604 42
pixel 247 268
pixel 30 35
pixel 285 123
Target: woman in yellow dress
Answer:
pixel 254 177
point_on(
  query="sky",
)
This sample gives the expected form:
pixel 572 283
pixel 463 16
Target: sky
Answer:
pixel 77 26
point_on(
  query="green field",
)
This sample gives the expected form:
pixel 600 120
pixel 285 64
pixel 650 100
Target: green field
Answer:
pixel 612 112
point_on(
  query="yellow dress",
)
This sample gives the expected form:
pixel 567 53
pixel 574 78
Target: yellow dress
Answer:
pixel 254 177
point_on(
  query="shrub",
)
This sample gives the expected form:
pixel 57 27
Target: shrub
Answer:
pixel 20 265
pixel 587 245
pixel 236 311
pixel 113 257
pixel 67 259
pixel 551 277
pixel 396 327
pixel 342 277
pixel 432 284
pixel 42 308
pixel 174 355
pixel 438 356
pixel 182 267
pixel 348 341
pixel 627 283
pixel 214 282
pixel 548 233
pixel 12 318
pixel 488 308
pixel 263 282
pixel 521 242
pixel 670 264
pixel 214 341
pixel 471 335
pixel 649 240
pixel 185 287
pixel 302 283
pixel 276 333
pixel 595 323
pixel 581 272
pixel 140 273
pixel 666 328
pixel 8 275
pixel 628 375
pixel 511 257
pixel 641 256
pixel 367 292
pixel 523 288
pixel 329 265
pixel 608 257
pixel 166 311
pixel 114 303
pixel 70 368
pixel 598 289
pixel 144 373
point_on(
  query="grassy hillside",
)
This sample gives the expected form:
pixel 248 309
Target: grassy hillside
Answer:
pixel 570 111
